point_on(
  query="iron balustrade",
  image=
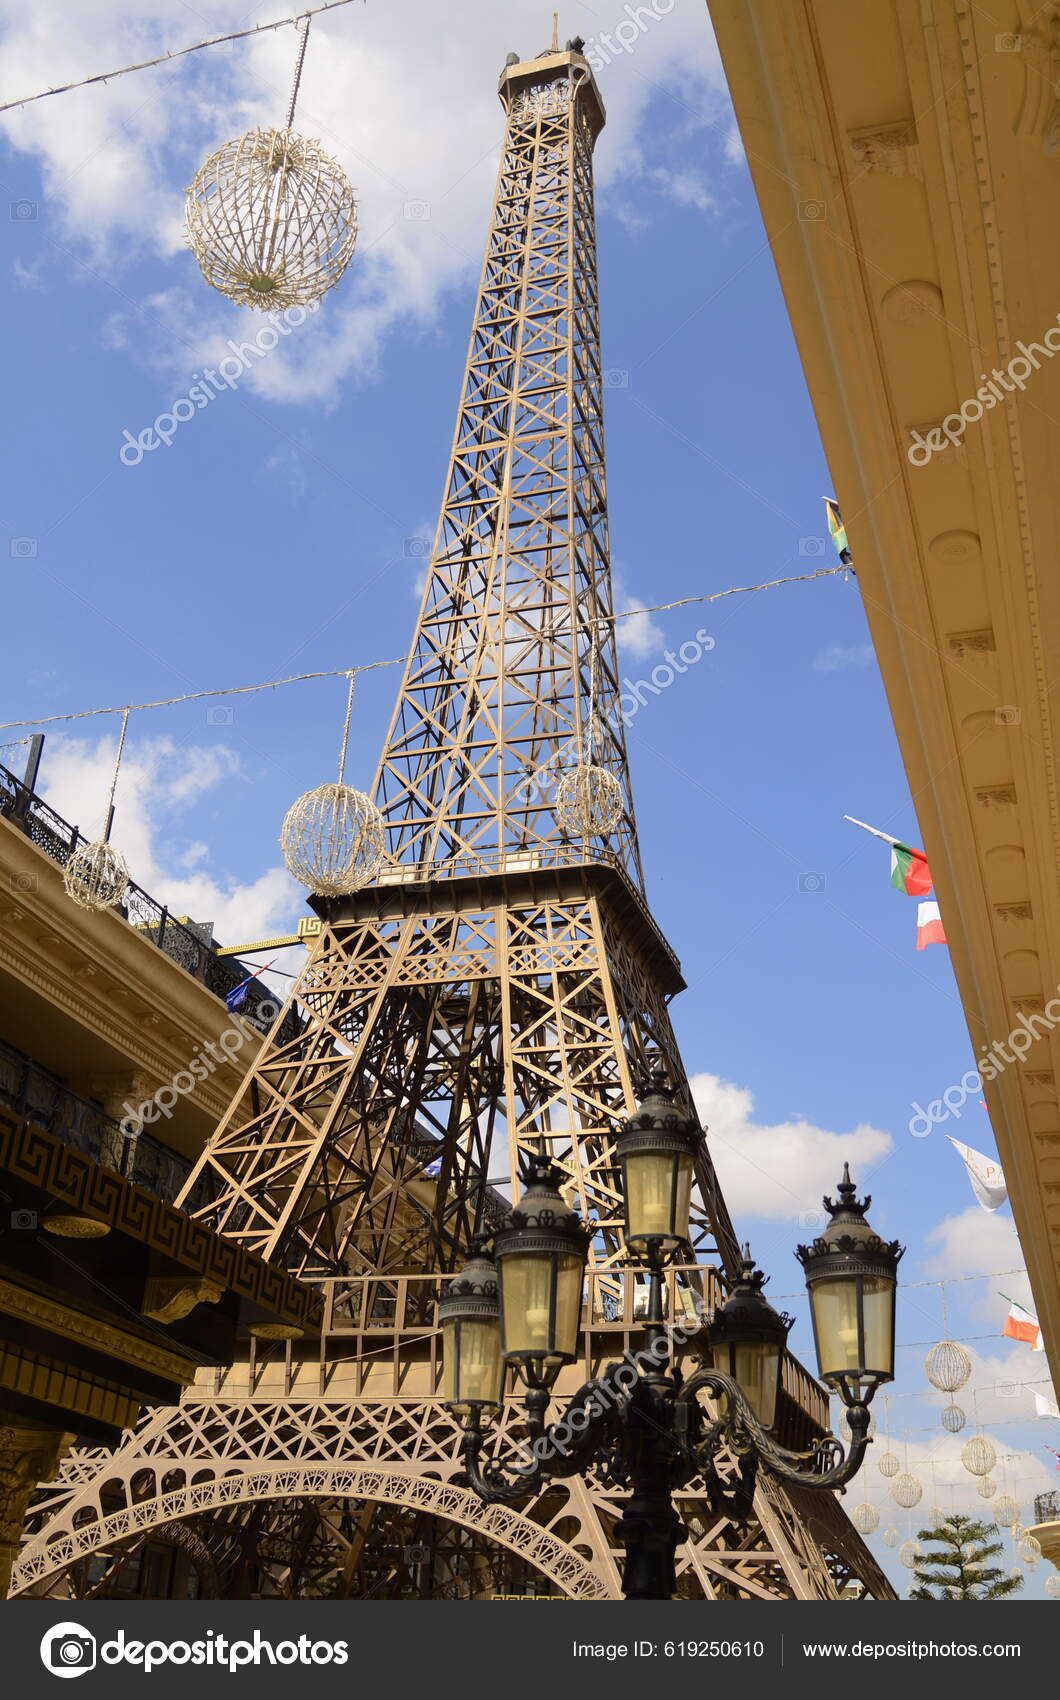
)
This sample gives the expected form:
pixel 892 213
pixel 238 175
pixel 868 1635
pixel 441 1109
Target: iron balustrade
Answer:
pixel 362 1313
pixel 1047 1507
pixel 178 940
pixel 33 1092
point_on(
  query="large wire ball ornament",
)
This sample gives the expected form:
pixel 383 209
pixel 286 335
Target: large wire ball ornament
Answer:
pixel 888 1464
pixel 978 1456
pixel 1052 1587
pixel 953 1418
pixel 909 1553
pixel 272 220
pixel 947 1366
pixel 865 1518
pixel 907 1491
pixel 96 876
pixel 985 1487
pixel 1006 1511
pixel 1030 1549
pixel 588 801
pixel 332 840
pixel 891 1537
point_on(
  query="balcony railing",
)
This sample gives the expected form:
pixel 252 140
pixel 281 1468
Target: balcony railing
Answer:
pixel 40 1096
pixel 373 1319
pixel 152 920
pixel 1047 1507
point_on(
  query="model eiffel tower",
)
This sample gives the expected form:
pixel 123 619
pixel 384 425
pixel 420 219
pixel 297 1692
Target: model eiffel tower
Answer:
pixel 500 988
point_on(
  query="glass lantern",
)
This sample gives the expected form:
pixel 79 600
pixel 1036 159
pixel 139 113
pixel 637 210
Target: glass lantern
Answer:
pixel 851 1275
pixel 746 1340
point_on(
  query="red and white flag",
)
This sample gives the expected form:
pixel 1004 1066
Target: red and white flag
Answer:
pixel 1021 1325
pixel 928 925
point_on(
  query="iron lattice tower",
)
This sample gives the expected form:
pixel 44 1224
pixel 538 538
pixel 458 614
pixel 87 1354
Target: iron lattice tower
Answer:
pixel 500 988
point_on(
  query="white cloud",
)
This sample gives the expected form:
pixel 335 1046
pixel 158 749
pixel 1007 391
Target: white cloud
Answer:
pixel 978 1242
pixel 781 1170
pixel 413 130
pixel 159 784
pixel 638 635
pixel 838 656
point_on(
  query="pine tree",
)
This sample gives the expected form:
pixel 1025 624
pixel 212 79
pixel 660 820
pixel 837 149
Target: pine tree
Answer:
pixel 961 1570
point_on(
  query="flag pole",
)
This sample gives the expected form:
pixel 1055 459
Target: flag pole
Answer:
pixel 895 843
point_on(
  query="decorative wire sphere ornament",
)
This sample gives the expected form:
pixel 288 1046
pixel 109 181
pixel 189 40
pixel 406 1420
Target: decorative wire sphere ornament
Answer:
pixel 1006 1512
pixel 96 876
pixel 271 218
pixel 1052 1587
pixel 588 801
pixel 978 1456
pixel 891 1537
pixel 1029 1549
pixel 953 1419
pixel 888 1465
pixel 908 1554
pixel 947 1366
pixel 907 1491
pixel 865 1518
pixel 332 840
pixel 985 1488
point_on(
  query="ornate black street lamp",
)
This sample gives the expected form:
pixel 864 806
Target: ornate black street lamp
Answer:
pixel 641 1425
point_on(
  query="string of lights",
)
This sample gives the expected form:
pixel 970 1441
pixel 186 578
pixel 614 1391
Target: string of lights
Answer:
pixel 175 53
pixel 395 660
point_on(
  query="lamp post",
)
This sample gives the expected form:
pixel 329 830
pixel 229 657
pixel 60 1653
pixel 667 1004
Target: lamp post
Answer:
pixel 641 1423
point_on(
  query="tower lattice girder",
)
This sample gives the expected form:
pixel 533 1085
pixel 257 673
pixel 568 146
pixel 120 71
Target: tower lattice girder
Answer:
pixel 497 990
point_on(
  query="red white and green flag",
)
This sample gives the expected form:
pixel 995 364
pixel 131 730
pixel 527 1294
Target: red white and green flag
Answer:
pixel 1021 1325
pixel 928 926
pixel 909 868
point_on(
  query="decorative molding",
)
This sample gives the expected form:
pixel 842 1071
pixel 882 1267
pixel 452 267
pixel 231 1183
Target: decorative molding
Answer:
pixel 74 1180
pixel 1001 797
pixel 1013 911
pixel 955 548
pixel 89 1328
pixel 889 148
pixel 980 643
pixel 915 304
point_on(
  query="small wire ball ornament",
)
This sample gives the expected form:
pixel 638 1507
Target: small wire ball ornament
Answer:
pixel 888 1464
pixel 947 1366
pixel 953 1418
pixel 1052 1587
pixel 271 218
pixel 1030 1549
pixel 588 801
pixel 1006 1512
pixel 96 876
pixel 909 1553
pixel 865 1518
pixel 891 1537
pixel 332 838
pixel 907 1491
pixel 985 1487
pixel 978 1456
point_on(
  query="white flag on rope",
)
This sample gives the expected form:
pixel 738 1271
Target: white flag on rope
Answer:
pixel 986 1176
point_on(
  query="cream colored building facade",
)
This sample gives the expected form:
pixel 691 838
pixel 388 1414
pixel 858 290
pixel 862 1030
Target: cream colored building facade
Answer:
pixel 906 156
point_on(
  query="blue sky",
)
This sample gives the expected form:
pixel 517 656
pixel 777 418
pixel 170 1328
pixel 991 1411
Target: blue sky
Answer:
pixel 281 532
